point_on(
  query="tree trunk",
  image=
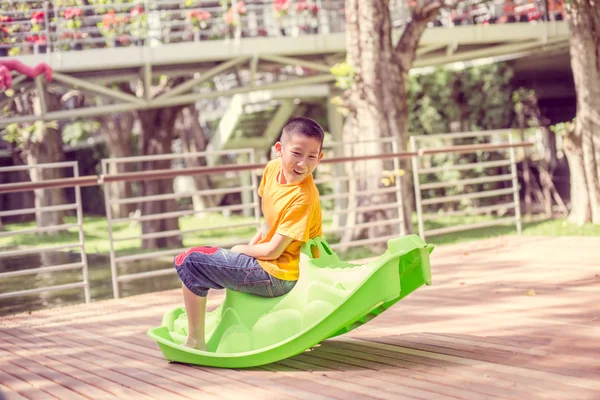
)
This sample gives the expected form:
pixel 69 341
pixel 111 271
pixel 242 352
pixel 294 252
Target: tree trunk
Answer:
pixel 526 171
pixel 194 140
pixel 43 146
pixel 581 211
pixel 378 99
pixel 584 142
pixel 156 139
pixel 118 131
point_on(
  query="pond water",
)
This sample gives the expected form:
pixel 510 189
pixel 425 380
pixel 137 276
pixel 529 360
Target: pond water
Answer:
pixel 99 278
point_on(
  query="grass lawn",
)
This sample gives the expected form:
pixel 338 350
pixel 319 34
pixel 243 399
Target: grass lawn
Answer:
pixel 530 227
pixel 96 233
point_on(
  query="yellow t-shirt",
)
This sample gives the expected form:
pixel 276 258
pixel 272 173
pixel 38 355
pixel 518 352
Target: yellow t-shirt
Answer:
pixel 290 210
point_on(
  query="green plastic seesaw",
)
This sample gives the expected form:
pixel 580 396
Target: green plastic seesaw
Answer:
pixel 332 297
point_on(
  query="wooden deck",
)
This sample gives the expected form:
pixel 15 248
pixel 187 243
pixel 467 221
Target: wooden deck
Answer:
pixel 479 332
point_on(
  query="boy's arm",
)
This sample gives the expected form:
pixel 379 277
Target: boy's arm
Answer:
pixel 265 251
pixel 256 238
pixel 259 234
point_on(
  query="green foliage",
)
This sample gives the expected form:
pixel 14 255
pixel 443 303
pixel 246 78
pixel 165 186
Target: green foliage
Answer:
pixel 79 130
pixel 344 74
pixel 478 98
pixel 525 105
pixel 473 99
pixel 23 133
pixel 563 128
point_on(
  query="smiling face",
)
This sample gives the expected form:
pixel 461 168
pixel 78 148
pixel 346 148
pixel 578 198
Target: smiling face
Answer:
pixel 299 155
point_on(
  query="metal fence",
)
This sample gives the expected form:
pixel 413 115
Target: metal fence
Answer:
pixel 346 196
pixel 355 196
pixel 360 190
pixel 486 184
pixel 9 257
pixel 30 26
pixel 244 184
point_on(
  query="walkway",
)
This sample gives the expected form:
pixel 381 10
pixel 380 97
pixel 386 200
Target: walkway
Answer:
pixel 506 318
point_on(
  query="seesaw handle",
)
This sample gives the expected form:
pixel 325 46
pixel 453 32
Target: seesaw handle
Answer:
pixel 324 251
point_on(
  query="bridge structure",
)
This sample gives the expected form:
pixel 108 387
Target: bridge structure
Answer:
pixel 269 56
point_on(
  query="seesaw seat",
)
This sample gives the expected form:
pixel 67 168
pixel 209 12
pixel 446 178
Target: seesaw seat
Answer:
pixel 331 297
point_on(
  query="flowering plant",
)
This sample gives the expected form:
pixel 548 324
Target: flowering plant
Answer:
pixel 198 18
pixel 36 39
pixel 73 17
pixel 307 7
pixel 138 26
pixel 37 17
pixel 281 8
pixel 233 14
pixel 112 25
pixel 6 29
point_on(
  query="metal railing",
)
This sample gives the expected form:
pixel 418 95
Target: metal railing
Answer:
pixel 244 183
pixel 349 190
pixel 329 177
pixel 457 196
pixel 29 26
pixel 7 256
pixel 358 189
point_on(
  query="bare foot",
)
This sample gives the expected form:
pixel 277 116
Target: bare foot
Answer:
pixel 195 343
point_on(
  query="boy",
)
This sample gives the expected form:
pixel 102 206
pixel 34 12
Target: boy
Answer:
pixel 269 265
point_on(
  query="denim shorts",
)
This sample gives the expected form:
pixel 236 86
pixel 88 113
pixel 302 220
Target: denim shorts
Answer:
pixel 203 268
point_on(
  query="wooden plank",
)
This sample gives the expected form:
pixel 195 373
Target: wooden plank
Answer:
pixel 74 368
pixel 475 342
pixel 361 385
pixel 22 387
pixel 501 383
pixel 504 359
pixel 455 375
pixel 39 382
pixel 427 384
pixel 554 362
pixel 388 385
pixel 338 390
pixel 320 387
pixel 114 382
pixel 40 368
pixel 522 374
pixel 320 379
pixel 153 360
pixel 123 371
pixel 7 394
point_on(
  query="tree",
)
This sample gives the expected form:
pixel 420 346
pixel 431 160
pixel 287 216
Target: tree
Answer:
pixel 157 127
pixel 40 143
pixel 157 130
pixel 118 130
pixel 377 97
pixel 194 139
pixel 582 145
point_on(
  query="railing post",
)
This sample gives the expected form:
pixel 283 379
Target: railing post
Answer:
pixel 417 186
pixel 515 183
pixel 86 280
pixel 255 184
pixel 247 179
pixel 48 37
pixel 108 210
pixel 399 199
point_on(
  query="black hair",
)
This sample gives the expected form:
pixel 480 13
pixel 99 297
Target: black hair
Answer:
pixel 303 126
